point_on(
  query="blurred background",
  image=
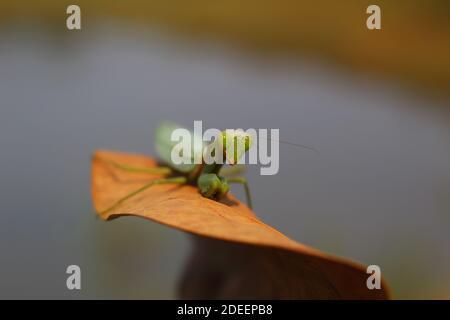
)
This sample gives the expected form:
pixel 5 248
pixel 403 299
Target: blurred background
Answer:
pixel 376 104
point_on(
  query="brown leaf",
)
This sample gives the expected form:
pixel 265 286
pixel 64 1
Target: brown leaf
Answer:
pixel 260 262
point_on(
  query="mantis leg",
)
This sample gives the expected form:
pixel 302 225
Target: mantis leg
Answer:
pixel 232 170
pixel 175 180
pixel 128 168
pixel 244 182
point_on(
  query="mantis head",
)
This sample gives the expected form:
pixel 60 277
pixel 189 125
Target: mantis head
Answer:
pixel 235 144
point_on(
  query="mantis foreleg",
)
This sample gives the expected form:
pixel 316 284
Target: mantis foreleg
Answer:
pixel 232 170
pixel 244 182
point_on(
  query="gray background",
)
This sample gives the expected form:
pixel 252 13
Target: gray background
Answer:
pixel 377 192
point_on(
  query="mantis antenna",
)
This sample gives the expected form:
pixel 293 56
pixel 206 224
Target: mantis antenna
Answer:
pixel 293 144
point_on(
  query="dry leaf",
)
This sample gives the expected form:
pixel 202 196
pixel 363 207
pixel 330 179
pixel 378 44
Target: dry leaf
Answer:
pixel 248 259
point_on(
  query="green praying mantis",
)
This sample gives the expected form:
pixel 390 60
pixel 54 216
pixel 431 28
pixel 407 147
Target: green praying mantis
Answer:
pixel 209 178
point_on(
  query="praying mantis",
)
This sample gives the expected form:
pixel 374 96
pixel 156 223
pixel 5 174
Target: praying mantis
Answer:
pixel 208 178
